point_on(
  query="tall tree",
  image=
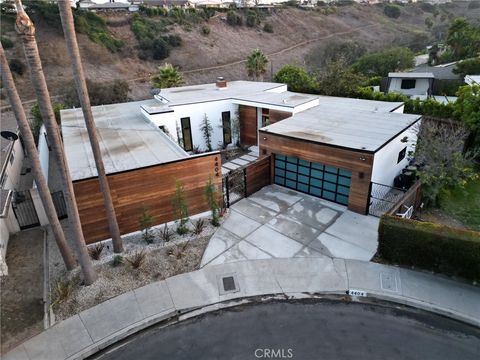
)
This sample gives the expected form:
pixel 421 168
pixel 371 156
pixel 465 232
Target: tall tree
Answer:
pixel 257 64
pixel 40 180
pixel 81 85
pixel 26 31
pixel 167 76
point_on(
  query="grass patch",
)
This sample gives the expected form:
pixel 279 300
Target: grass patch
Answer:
pixel 463 204
pixel 95 28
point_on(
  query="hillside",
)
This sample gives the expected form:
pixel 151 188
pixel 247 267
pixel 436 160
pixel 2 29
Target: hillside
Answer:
pixel 203 57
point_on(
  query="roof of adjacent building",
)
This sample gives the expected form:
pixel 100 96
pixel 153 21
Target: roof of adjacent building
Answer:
pixel 472 79
pixel 285 99
pixel 127 140
pixel 411 75
pixel 8 123
pixel 440 72
pixel 355 124
pixel 210 92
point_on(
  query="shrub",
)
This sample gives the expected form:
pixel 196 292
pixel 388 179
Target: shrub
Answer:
pixel 62 291
pixel 429 246
pixel 180 208
pixel 268 28
pixel 234 19
pixel 136 260
pixel 198 226
pixel 205 30
pixel 296 78
pixel 166 234
pixel 392 11
pixel 117 261
pixel 173 40
pixel 6 43
pixel 207 131
pixel 146 222
pixel 17 66
pixel 252 18
pixel 95 27
pixel 211 195
pixel 95 251
pixel 37 120
pixel 160 49
pixel 100 93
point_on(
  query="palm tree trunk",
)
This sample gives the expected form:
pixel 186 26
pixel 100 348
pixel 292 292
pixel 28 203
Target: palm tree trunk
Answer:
pixel 26 31
pixel 38 175
pixel 78 74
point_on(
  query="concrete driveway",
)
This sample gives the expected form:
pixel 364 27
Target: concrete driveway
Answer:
pixel 280 223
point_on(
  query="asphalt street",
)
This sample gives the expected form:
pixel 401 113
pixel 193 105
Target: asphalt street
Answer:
pixel 300 330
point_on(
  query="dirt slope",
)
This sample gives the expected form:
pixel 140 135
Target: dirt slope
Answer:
pixel 221 53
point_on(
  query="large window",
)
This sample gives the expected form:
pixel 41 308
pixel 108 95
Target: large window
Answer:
pixel 327 182
pixel 408 83
pixel 186 134
pixel 227 128
pixel 402 154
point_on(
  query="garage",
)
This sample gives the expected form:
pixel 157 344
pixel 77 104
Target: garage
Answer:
pixel 317 179
pixel 336 150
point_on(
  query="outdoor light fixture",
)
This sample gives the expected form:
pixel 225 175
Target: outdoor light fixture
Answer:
pixel 11 136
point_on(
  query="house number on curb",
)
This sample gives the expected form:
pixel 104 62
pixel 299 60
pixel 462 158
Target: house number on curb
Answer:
pixel 353 292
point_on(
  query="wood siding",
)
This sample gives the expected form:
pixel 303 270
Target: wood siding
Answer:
pixel 338 157
pixel 276 116
pixel 258 175
pixel 152 187
pixel 248 125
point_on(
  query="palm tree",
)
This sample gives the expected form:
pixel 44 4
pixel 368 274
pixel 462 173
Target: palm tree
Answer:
pixel 81 85
pixel 166 77
pixel 257 64
pixel 38 175
pixel 26 32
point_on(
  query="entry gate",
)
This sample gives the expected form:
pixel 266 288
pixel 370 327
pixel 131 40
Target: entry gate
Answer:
pixel 383 198
pixel 24 210
pixel 234 187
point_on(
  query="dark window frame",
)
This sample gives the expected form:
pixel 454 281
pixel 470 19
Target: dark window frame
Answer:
pixel 189 129
pixel 227 130
pixel 402 154
pixel 408 84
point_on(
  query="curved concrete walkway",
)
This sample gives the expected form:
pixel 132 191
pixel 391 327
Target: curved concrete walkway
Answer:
pixel 115 319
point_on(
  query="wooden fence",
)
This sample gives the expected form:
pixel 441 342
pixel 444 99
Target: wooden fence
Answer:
pixel 257 175
pixel 412 197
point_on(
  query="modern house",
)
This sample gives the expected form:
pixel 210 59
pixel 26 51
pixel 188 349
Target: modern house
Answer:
pixel 12 156
pixel 331 148
pixel 410 84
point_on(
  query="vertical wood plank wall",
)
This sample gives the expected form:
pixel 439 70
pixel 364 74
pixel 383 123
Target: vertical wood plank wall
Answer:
pixel 258 175
pixel 277 115
pixel 152 187
pixel 248 125
pixel 360 164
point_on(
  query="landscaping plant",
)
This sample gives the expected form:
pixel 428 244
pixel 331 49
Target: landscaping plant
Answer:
pixel 206 128
pixel 180 208
pixel 211 195
pixel 117 260
pixel 166 234
pixel 95 251
pixel 137 259
pixel 146 222
pixel 198 226
pixel 62 291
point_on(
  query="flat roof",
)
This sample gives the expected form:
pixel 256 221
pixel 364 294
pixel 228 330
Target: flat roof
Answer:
pixel 209 92
pixel 286 98
pixel 334 103
pixel 127 140
pixel 411 75
pixel 356 128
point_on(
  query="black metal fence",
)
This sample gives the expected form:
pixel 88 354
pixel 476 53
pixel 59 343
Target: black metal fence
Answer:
pixel 24 210
pixel 383 198
pixel 234 187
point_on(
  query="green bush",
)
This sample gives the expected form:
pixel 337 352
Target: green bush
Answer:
pixel 234 19
pixel 7 43
pixel 429 246
pixel 252 18
pixel 95 27
pixel 268 28
pixel 392 11
pixel 100 93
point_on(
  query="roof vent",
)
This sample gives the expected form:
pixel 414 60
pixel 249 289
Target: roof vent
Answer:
pixel 221 82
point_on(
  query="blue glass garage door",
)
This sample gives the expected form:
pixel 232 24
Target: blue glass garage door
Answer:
pixel 324 181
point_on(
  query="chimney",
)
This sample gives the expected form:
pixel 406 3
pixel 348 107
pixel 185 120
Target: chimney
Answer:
pixel 221 82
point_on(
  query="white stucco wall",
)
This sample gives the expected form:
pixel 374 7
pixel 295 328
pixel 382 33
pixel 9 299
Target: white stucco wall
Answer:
pixel 421 87
pixel 385 166
pixel 43 152
pixel 13 167
pixel 8 225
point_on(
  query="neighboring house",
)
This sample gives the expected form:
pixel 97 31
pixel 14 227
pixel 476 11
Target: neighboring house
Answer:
pixel 12 156
pixel 472 79
pixel 117 6
pixel 410 84
pixel 331 148
pixel 168 4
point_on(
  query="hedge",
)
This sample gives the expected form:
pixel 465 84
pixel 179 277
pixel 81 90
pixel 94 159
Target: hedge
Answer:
pixel 438 248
